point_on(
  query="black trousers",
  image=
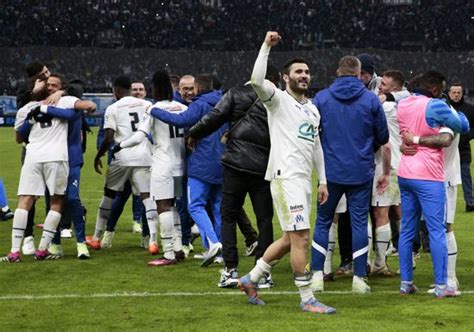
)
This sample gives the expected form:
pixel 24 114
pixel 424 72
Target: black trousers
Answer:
pixel 235 187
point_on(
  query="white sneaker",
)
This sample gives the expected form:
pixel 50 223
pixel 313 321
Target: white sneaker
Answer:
pixel 214 250
pixel 317 281
pixel 66 233
pixel 360 286
pixel 219 260
pixel 82 251
pixel 265 281
pixel 201 255
pixel 106 241
pixel 186 250
pixel 136 228
pixel 56 250
pixel 28 247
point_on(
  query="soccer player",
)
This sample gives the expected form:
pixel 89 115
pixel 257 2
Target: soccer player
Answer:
pixel 293 122
pixel 352 123
pixel 421 176
pixel 391 81
pixel 45 166
pixel 166 171
pixel 121 120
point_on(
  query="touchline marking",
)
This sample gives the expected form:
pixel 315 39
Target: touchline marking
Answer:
pixel 178 294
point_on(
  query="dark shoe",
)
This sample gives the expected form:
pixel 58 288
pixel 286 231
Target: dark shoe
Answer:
pixel 7 215
pixel 470 207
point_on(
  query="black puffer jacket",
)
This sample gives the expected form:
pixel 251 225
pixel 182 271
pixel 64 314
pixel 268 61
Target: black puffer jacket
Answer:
pixel 464 144
pixel 249 141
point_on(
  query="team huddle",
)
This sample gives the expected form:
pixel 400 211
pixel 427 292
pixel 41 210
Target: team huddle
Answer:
pixel 374 144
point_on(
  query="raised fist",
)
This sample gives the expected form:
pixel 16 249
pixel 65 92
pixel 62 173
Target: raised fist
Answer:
pixel 272 38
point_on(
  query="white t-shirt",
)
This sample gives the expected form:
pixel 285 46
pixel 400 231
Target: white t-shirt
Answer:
pixel 48 141
pixel 124 117
pixel 168 141
pixel 390 109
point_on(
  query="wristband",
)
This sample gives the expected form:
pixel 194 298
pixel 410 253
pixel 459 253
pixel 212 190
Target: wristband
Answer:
pixel 416 140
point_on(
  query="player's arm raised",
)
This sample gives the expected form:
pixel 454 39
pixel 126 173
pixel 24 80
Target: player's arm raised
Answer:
pixel 264 88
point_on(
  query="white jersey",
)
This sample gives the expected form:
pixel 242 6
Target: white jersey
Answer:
pixel 123 117
pixel 390 109
pixel 452 161
pixel 23 112
pixel 168 141
pixel 48 140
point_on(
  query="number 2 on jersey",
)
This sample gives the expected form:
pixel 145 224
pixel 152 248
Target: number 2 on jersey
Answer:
pixel 135 120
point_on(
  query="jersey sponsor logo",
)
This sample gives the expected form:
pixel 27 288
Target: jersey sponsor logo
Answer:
pixel 296 208
pixel 299 218
pixel 307 132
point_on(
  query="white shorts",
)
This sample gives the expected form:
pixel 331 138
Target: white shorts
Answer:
pixel 36 177
pixel 139 178
pixel 451 198
pixel 342 205
pixel 391 195
pixel 292 202
pixel 165 187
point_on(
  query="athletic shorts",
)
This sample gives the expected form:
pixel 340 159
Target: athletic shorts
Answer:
pixel 391 196
pixel 165 187
pixel 292 202
pixel 451 198
pixel 139 178
pixel 36 177
pixel 342 205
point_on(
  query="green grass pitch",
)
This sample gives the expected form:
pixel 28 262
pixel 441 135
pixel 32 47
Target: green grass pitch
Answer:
pixel 115 290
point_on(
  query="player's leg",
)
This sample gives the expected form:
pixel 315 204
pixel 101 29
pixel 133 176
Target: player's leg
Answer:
pixel 118 205
pixel 249 233
pixel 382 240
pixel 358 198
pixel 137 209
pixel 411 213
pixel 177 231
pixel 451 198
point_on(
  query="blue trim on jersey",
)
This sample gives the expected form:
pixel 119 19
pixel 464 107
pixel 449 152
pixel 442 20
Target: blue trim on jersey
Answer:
pixel 439 114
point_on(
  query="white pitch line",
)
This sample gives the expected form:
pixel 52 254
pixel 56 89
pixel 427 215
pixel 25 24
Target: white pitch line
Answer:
pixel 176 294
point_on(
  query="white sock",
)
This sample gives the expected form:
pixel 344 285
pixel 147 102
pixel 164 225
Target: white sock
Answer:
pixel 383 235
pixel 452 255
pixel 177 235
pixel 166 232
pixel 369 235
pixel 102 215
pixel 303 283
pixel 259 269
pixel 18 228
pixel 331 245
pixel 151 218
pixel 49 229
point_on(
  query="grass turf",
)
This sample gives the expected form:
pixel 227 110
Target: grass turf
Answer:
pixel 115 290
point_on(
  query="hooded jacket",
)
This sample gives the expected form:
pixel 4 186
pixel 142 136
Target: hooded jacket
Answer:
pixel 249 143
pixel 204 162
pixel 464 140
pixel 352 123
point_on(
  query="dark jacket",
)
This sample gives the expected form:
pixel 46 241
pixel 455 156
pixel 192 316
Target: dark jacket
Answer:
pixel 249 140
pixel 464 144
pixel 204 162
pixel 352 123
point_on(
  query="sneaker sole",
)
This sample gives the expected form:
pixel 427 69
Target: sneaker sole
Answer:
pixel 209 259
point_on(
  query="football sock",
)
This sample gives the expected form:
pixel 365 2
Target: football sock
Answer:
pixel 303 283
pixel 103 213
pixel 369 235
pixel 166 232
pixel 331 245
pixel 18 228
pixel 49 229
pixel 177 235
pixel 259 269
pixel 452 255
pixel 382 240
pixel 151 218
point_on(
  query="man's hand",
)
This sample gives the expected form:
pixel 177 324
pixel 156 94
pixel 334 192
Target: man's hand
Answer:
pixel 408 150
pixel 382 183
pixel 322 194
pixel 272 38
pixel 54 98
pixel 407 137
pixel 191 143
pixel 115 149
pixel 32 114
pixel 97 165
pixel 39 86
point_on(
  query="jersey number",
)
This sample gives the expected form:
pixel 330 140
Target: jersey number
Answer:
pixel 135 120
pixel 176 132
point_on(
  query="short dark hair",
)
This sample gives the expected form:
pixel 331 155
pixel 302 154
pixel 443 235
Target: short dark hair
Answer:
pixel 61 78
pixel 205 81
pixel 396 76
pixel 161 83
pixel 430 79
pixel 216 82
pixel 456 84
pixel 34 68
pixel 122 82
pixel 287 65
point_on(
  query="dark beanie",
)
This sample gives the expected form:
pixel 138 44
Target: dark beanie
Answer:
pixel 368 62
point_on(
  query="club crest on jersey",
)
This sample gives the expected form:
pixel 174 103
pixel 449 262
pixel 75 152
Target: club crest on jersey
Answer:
pixel 307 131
